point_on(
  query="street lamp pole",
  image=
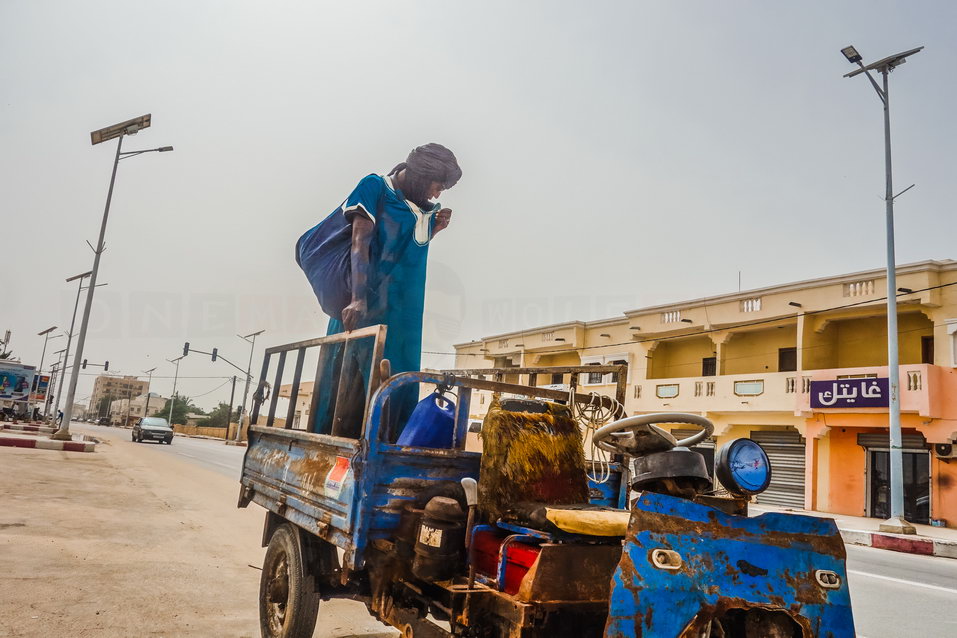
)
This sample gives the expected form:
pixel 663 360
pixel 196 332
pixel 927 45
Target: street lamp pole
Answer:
pixel 60 364
pixel 149 382
pixel 173 396
pixel 46 337
pixel 118 131
pixel 69 335
pixel 897 523
pixel 249 368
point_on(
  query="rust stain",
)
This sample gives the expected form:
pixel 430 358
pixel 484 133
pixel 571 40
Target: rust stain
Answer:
pixel 805 588
pixel 659 523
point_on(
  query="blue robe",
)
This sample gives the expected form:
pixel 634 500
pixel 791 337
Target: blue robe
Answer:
pixel 398 257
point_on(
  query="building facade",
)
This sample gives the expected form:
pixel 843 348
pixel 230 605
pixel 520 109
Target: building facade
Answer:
pixel 127 411
pixel 112 388
pixel 801 368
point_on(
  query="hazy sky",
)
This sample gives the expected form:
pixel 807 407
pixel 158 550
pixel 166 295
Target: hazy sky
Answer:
pixel 615 155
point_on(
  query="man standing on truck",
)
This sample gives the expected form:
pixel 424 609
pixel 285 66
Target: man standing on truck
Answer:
pixel 366 263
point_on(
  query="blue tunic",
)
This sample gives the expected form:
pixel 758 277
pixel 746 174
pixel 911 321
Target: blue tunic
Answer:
pixel 398 257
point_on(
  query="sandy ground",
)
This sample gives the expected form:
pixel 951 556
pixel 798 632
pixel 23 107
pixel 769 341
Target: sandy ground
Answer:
pixel 127 542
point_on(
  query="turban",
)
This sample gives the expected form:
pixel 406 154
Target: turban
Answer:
pixel 432 163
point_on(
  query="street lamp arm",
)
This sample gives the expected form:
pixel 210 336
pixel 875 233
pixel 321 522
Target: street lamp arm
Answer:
pixel 877 87
pixel 161 149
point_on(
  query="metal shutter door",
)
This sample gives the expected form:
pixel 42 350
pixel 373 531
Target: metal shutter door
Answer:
pixel 786 452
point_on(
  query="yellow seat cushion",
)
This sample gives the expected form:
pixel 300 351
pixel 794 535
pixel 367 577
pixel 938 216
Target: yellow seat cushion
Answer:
pixel 589 522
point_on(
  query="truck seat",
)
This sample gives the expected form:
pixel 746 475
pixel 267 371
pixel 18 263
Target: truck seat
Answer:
pixel 581 520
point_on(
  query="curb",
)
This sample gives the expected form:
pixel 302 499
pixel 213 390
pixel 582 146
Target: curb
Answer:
pixel 28 429
pixel 901 543
pixel 48 444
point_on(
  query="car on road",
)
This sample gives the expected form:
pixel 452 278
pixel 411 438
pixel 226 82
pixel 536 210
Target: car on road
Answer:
pixel 152 428
pixel 103 421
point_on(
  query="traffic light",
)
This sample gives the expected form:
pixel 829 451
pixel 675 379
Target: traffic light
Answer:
pixel 215 353
pixel 186 348
pixel 106 366
pixel 83 365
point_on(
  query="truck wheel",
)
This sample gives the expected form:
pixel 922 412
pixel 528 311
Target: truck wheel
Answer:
pixel 288 603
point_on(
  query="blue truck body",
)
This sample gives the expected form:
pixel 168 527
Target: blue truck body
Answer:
pixel 351 493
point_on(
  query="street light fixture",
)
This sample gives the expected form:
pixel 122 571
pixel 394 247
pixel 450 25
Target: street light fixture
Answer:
pixel 118 131
pixel 851 54
pixel 896 523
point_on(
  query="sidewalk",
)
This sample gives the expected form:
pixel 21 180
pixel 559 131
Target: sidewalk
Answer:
pixel 859 530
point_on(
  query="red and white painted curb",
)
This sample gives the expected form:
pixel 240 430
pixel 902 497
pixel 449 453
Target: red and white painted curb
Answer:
pixel 48 444
pixel 28 429
pixel 901 543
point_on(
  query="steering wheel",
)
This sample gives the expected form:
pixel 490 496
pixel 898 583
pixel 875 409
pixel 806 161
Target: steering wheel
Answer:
pixel 637 435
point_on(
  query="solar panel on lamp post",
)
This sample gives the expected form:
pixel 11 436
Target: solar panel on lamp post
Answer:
pixel 897 522
pixel 118 132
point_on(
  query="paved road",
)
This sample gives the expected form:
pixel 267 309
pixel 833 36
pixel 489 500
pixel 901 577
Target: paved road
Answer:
pixel 893 594
pixel 898 594
pixel 212 455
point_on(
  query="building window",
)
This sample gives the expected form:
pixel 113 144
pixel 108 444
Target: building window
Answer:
pixel 709 366
pixel 750 305
pixel 558 379
pixel 594 378
pixel 927 350
pixel 616 362
pixel 787 359
pixel 667 390
pixel 672 316
pixel 749 388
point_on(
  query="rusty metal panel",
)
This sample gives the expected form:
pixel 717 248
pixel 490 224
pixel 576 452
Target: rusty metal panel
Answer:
pixel 685 565
pixel 304 477
pixel 570 572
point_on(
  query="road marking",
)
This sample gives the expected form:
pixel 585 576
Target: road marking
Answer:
pixel 903 582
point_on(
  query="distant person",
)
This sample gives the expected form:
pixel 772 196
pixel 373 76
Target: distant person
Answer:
pixel 366 262
pixel 59 417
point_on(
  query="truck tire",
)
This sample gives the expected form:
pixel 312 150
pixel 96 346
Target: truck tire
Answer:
pixel 288 602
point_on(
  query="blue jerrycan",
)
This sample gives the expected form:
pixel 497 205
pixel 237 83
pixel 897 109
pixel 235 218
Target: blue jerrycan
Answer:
pixel 431 423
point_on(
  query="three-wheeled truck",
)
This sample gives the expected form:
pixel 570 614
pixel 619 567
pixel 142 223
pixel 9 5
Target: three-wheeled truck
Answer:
pixel 658 552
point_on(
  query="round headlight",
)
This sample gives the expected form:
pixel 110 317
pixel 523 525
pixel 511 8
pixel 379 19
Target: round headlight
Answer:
pixel 743 467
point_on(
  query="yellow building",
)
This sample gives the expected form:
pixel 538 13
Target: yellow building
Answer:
pixel 757 363
pixel 112 388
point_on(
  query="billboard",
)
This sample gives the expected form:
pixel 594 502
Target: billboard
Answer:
pixel 41 386
pixel 16 381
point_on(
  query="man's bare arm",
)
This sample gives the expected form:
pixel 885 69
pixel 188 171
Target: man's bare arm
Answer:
pixel 362 228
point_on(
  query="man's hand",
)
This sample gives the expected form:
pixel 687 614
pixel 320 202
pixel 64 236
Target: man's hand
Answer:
pixel 442 220
pixel 353 313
